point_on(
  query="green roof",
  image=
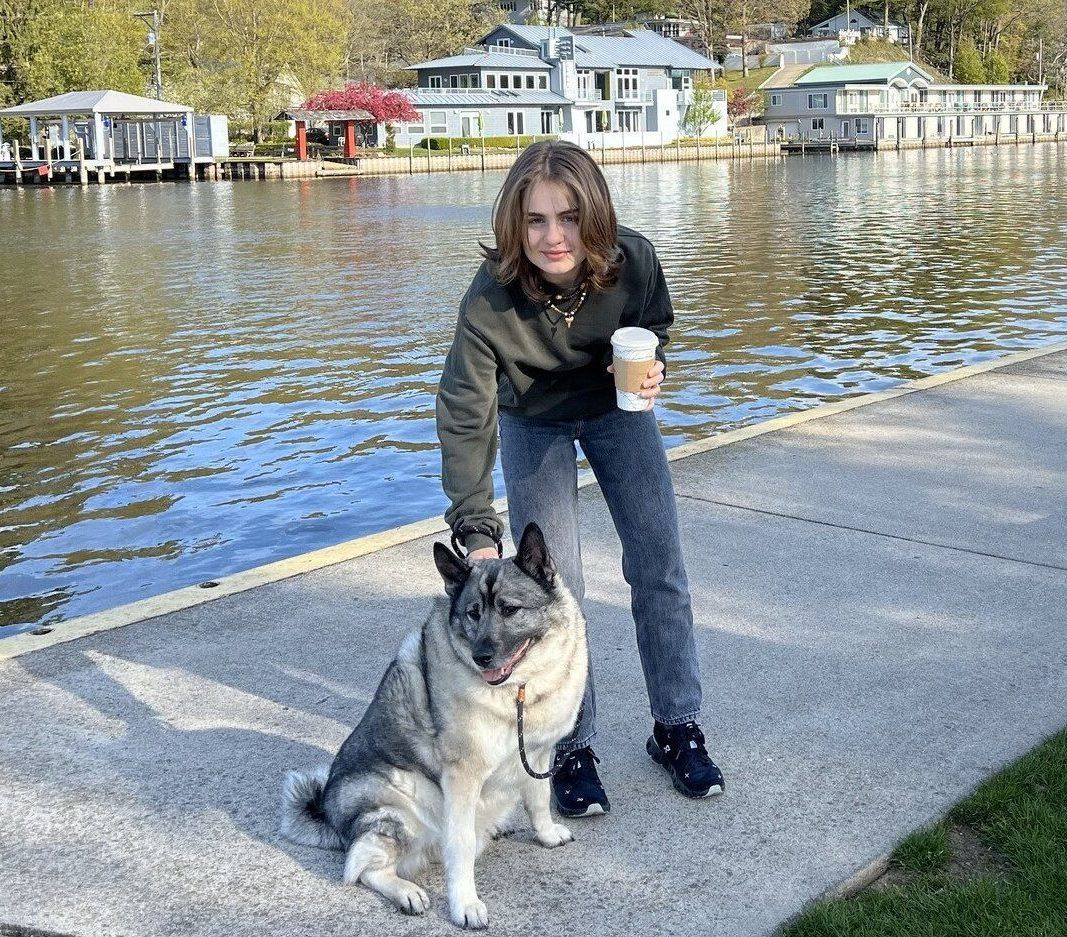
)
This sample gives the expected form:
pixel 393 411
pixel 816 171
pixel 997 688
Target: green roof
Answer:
pixel 853 74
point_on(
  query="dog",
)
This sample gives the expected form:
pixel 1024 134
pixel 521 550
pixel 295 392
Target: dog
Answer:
pixel 433 770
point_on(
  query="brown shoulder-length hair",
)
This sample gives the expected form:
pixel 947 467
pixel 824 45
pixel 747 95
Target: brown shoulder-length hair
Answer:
pixel 573 168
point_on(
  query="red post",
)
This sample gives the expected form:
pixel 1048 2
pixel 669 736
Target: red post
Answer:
pixel 350 138
pixel 301 140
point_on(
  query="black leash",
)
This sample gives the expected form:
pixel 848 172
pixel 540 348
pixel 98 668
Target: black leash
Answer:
pixel 520 699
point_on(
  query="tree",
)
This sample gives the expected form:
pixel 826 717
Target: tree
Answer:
pixel 742 102
pixel 56 46
pixel 385 36
pixel 742 15
pixel 702 111
pixel 707 17
pixel 383 105
pixel 996 68
pixel 624 11
pixel 253 58
pixel 968 67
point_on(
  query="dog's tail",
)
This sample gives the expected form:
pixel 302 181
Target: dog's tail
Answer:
pixel 303 817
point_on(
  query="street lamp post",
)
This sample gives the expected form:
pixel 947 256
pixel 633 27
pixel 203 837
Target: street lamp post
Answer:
pixel 152 18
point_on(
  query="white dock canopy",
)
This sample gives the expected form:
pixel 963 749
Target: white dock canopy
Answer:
pixel 96 106
pixel 104 103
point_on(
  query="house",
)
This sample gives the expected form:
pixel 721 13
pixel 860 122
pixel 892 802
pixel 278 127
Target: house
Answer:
pixel 855 24
pixel 537 80
pixel 521 12
pixel 901 104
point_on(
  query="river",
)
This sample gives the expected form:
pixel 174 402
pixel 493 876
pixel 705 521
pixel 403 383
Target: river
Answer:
pixel 200 378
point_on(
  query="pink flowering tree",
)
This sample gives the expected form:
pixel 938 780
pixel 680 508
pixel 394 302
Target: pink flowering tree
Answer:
pixel 385 106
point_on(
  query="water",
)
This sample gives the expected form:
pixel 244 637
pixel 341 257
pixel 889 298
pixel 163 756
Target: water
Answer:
pixel 198 379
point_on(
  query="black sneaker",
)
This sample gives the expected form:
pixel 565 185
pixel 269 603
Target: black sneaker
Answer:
pixel 680 749
pixel 576 787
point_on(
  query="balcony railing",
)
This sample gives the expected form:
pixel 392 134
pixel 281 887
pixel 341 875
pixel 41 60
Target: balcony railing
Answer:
pixel 590 94
pixel 950 107
pixel 507 50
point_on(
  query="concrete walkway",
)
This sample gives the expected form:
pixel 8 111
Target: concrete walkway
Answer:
pixel 879 595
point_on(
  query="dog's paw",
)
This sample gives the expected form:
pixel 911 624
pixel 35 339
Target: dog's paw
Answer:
pixel 411 899
pixel 556 834
pixel 471 914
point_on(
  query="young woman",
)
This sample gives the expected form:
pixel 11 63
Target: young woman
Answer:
pixel 531 361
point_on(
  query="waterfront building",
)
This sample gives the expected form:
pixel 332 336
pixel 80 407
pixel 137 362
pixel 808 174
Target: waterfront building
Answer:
pixel 855 25
pixel 109 132
pixel 899 105
pixel 603 90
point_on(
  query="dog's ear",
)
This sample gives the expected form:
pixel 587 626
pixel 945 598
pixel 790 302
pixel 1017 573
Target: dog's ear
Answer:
pixel 454 569
pixel 533 557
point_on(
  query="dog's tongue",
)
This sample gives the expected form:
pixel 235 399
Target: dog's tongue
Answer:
pixel 500 673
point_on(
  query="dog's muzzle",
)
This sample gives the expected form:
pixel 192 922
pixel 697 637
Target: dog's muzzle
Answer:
pixel 498 675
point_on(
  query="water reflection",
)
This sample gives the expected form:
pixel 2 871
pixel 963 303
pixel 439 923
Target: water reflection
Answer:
pixel 199 379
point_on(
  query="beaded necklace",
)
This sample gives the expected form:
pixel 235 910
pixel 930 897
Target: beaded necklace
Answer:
pixel 566 305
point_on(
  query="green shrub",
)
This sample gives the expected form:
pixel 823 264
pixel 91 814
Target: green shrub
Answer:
pixel 475 143
pixel 277 131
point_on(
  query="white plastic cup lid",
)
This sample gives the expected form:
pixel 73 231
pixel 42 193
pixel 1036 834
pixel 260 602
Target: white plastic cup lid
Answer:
pixel 632 338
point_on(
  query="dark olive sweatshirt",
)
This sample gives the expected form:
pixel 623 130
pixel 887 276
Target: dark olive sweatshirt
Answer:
pixel 509 352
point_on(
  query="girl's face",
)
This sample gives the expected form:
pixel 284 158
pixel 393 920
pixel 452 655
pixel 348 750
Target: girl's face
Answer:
pixel 553 243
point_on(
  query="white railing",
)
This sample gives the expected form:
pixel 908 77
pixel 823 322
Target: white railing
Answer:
pixel 499 92
pixel 450 90
pixel 507 50
pixel 590 94
pixel 938 107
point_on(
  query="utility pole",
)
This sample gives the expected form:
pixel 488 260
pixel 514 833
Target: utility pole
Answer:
pixel 152 18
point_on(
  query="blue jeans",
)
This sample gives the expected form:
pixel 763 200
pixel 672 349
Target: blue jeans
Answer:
pixel 625 451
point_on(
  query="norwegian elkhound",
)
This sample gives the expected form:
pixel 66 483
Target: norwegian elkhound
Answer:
pixel 433 768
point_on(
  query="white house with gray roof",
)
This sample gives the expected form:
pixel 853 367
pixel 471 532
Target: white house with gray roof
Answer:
pixel 532 81
pixel 855 25
pixel 901 104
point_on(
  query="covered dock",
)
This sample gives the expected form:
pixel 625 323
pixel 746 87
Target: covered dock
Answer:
pixel 109 133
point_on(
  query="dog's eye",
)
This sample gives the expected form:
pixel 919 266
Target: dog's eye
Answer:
pixel 474 613
pixel 508 610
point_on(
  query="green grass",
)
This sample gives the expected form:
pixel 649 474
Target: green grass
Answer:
pixel 756 77
pixel 1022 815
pixel 878 50
pixel 924 851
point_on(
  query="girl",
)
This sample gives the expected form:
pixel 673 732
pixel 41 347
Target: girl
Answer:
pixel 531 361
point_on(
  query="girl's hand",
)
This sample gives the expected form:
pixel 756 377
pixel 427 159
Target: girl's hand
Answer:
pixel 485 553
pixel 651 382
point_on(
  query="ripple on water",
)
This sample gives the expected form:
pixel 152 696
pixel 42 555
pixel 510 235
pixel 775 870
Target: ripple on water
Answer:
pixel 260 381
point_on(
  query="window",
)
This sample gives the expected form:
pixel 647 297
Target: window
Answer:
pixel 627 84
pixel 548 121
pixel 453 81
pixel 435 81
pixel 516 123
pixel 464 81
pixel 474 79
pixel 505 81
pixel 542 82
pixel 531 81
pixel 816 101
pixel 776 100
pixel 490 81
pixel 438 122
pixel 817 123
pixel 863 125
pixel 504 43
pixel 419 127
pixel 629 121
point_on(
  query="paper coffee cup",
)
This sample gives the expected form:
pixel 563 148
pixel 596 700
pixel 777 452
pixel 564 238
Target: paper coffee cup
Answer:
pixel 634 353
